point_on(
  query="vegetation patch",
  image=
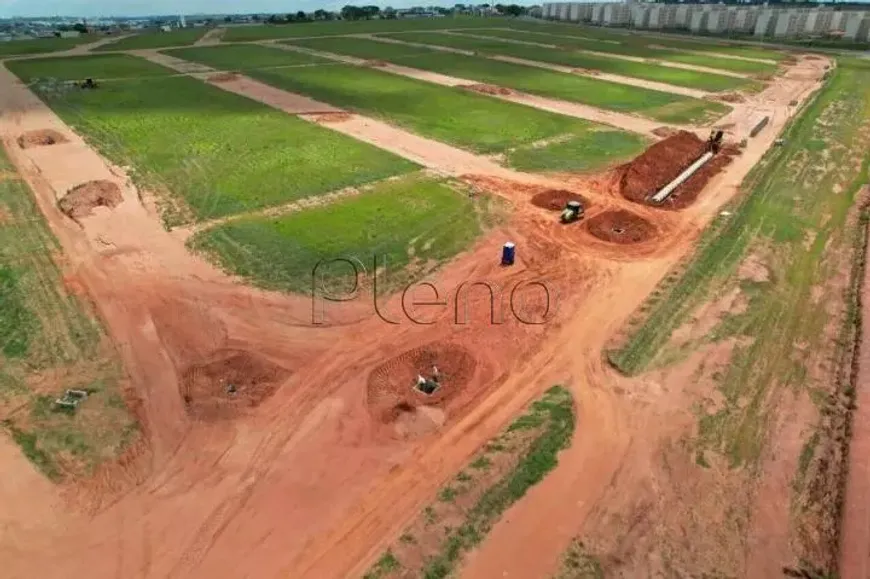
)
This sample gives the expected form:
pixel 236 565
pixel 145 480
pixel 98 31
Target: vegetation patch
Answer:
pixel 589 151
pixel 411 224
pixel 578 563
pixel 240 57
pixel 156 39
pixel 447 530
pixel 643 70
pixel 661 106
pixel 43 45
pixel 211 153
pixel 50 341
pixel 98 66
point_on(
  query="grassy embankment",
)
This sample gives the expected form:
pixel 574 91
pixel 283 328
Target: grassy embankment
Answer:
pixel 657 105
pixel 207 152
pixel 474 122
pixel 50 341
pixel 674 76
pixel 415 222
pixel 480 494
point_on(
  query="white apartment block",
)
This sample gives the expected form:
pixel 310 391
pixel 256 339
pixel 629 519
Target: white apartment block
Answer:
pixel 761 21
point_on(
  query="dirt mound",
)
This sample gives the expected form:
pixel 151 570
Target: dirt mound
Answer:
pixel 377 63
pixel 731 97
pixel 332 117
pixel 80 200
pixel 394 400
pixel 620 226
pixel 489 89
pixel 658 165
pixel 229 382
pixel 224 77
pixel 665 132
pixel 40 138
pixel 813 57
pixel 556 199
pixel 586 71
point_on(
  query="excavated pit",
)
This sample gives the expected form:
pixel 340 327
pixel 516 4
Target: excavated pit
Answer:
pixel 332 117
pixel 620 226
pixel 41 138
pixel 228 383
pixel 663 162
pixel 394 400
pixel 81 200
pixel 488 89
pixel 556 199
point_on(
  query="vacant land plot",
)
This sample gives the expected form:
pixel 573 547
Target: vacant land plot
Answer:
pixel 411 224
pixel 661 106
pixel 674 76
pixel 586 152
pixel 98 66
pixel 49 342
pixel 43 45
pixel 156 39
pixel 783 261
pixel 451 115
pixel 631 47
pixel 216 152
pixel 238 57
pixel 466 509
pixel 638 37
pixel 244 33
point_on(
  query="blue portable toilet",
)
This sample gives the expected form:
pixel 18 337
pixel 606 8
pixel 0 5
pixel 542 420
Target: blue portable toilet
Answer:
pixel 508 253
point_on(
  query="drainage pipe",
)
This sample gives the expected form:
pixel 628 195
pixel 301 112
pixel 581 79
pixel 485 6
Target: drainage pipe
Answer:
pixel 669 188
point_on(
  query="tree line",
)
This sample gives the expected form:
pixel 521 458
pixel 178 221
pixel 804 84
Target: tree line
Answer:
pixel 370 12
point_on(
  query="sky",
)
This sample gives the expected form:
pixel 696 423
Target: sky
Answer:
pixel 96 8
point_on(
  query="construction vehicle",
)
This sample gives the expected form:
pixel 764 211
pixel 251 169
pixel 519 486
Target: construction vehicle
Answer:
pixel 572 212
pixel 715 141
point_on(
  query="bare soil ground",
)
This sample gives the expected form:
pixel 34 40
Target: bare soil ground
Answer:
pixel 307 482
pixel 82 199
pixel 40 138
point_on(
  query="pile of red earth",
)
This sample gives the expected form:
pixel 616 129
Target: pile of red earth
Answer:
pixel 489 89
pixel 377 63
pixel 332 117
pixel 731 97
pixel 40 138
pixel 228 383
pixel 391 388
pixel 556 199
pixel 620 226
pixel 224 77
pixel 658 165
pixel 81 199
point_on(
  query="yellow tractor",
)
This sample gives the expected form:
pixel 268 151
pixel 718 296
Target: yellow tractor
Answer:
pixel 573 211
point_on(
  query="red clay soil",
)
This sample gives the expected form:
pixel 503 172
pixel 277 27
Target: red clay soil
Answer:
pixel 391 392
pixel 488 89
pixel 665 132
pixel 556 199
pixel 228 383
pixel 81 199
pixel 731 97
pixel 377 63
pixel 658 165
pixel 685 194
pixel 40 138
pixel 620 226
pixel 224 77
pixel 586 71
pixel 332 117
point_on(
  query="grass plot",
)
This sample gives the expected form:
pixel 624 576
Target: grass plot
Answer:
pixel 156 39
pixel 49 342
pixel 415 222
pixel 210 153
pixel 233 57
pixel 97 66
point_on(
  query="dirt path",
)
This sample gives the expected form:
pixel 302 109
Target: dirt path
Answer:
pixel 619 120
pixel 855 531
pixel 659 86
pixel 630 58
pixel 211 37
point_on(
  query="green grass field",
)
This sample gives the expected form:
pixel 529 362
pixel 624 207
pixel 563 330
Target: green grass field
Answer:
pixel 661 106
pixel 471 121
pixel 145 40
pixel 674 76
pixel 793 219
pixel 247 33
pixel 585 152
pixel 238 57
pixel 219 152
pixel 43 45
pixel 628 47
pixel 415 222
pixel 50 341
pixel 97 66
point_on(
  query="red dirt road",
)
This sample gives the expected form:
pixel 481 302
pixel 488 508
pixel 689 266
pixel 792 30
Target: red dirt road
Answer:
pixel 306 484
